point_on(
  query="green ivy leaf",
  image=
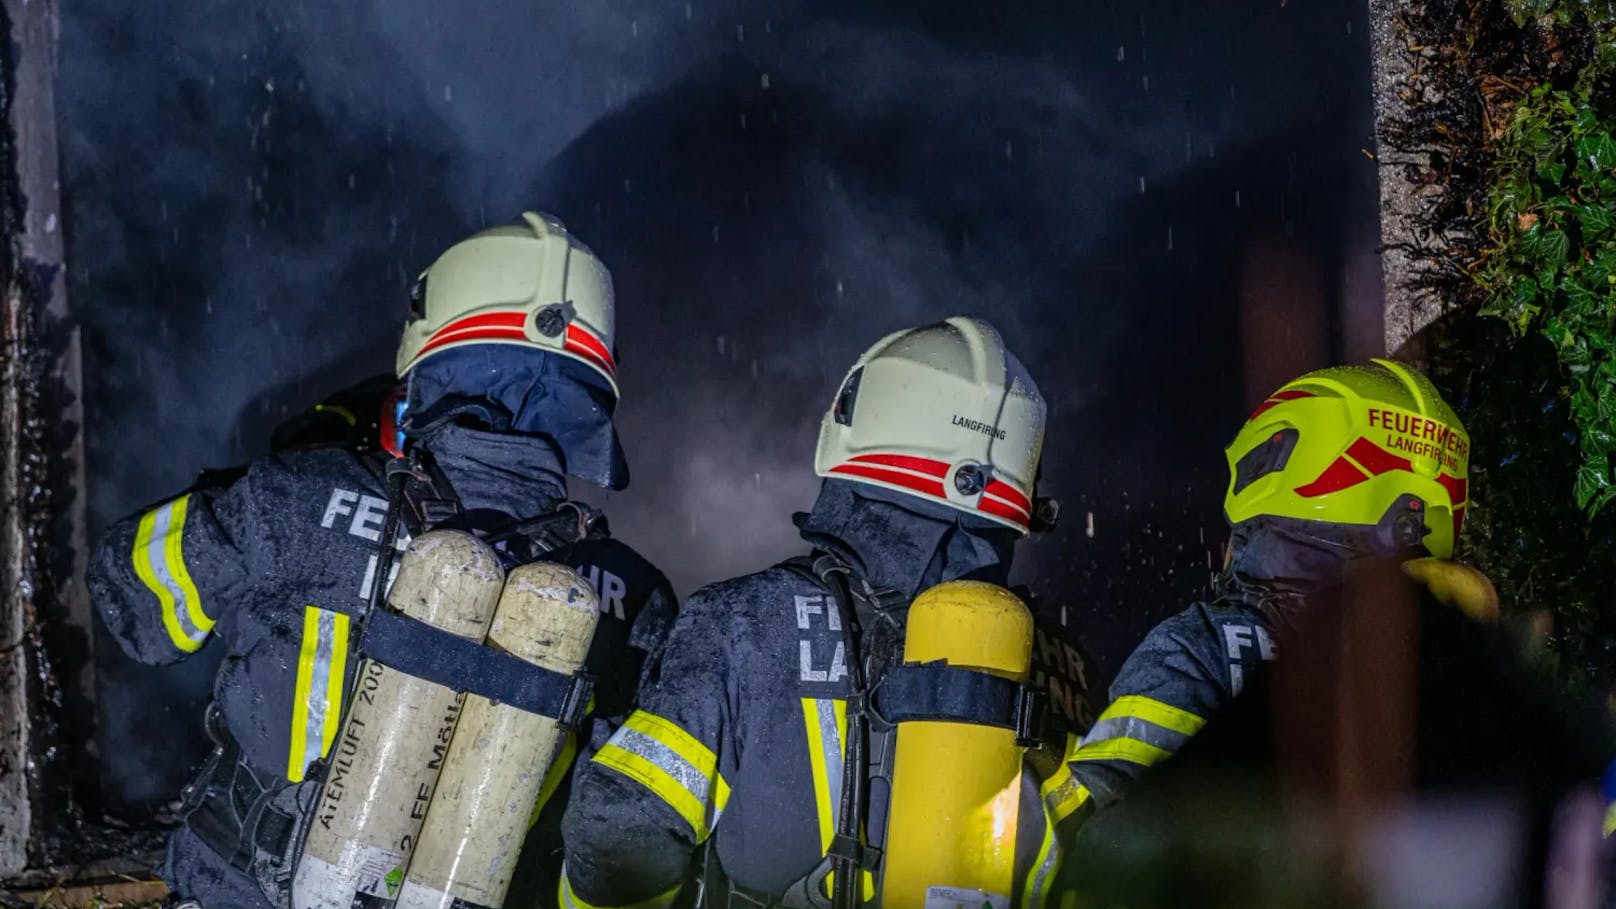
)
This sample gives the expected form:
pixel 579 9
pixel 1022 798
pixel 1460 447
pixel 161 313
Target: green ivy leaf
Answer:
pixel 1597 221
pixel 1597 443
pixel 1584 303
pixel 1551 170
pixel 1597 150
pixel 1546 248
pixel 1592 484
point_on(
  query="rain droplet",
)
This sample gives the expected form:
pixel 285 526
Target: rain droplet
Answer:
pixel 1009 151
pixel 1122 53
pixel 1169 239
pixel 634 28
pixel 448 94
pixel 1141 185
pixel 1088 526
pixel 764 79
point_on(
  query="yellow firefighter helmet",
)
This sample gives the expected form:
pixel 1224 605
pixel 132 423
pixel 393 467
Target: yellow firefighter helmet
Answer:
pixel 1357 445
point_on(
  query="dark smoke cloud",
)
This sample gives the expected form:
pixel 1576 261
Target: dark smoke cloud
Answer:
pixel 775 186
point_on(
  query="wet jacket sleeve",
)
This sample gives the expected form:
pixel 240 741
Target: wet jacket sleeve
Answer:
pixel 163 577
pixel 649 796
pixel 1186 669
pixel 653 625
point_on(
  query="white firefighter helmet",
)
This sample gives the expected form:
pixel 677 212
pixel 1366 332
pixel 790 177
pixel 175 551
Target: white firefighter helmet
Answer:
pixel 943 412
pixel 531 284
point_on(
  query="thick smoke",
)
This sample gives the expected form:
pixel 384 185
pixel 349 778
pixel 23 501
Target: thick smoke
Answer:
pixel 775 185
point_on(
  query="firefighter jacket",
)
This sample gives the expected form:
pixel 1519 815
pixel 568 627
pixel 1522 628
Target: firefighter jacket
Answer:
pixel 1193 664
pixel 739 740
pixel 277 565
pixel 1207 664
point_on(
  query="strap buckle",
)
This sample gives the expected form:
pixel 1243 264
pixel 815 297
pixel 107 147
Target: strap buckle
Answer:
pixel 575 705
pixel 864 856
pixel 1031 709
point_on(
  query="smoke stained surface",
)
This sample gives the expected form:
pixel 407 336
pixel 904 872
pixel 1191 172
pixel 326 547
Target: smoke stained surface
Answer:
pixel 775 186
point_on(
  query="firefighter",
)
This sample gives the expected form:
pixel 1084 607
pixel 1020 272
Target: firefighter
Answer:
pixel 1345 657
pixel 1337 470
pixel 742 768
pixel 511 379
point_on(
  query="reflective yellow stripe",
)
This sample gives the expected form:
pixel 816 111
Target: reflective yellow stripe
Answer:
pixel 1123 749
pixel 1610 819
pixel 1155 711
pixel 571 900
pixel 174 554
pixel 553 777
pixel 673 764
pixel 159 562
pixel 317 700
pixel 668 733
pixel 826 750
pixel 658 781
pixel 1063 795
pixel 1042 873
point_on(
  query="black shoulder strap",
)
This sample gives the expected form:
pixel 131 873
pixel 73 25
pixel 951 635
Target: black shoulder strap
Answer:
pixel 538 537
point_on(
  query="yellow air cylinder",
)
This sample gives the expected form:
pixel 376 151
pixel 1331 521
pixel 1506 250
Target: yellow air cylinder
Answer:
pixel 951 829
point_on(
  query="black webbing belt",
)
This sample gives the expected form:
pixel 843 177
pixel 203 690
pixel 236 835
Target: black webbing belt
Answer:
pixel 955 694
pixel 427 652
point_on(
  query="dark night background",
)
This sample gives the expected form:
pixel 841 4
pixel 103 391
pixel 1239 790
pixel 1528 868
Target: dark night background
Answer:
pixel 1166 207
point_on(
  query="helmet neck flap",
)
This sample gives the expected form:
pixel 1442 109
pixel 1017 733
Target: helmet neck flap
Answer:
pixel 497 476
pixel 526 393
pixel 905 543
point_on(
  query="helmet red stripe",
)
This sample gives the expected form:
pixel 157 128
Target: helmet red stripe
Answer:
pixel 999 509
pixel 504 319
pixel 1458 490
pixel 927 466
pixel 1279 397
pixel 476 334
pixel 607 365
pixel 1341 474
pixel 1010 494
pixel 580 335
pixel 896 477
pixel 1375 459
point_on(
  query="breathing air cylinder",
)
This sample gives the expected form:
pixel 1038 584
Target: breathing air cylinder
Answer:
pixel 956 787
pixel 500 754
pixel 386 762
